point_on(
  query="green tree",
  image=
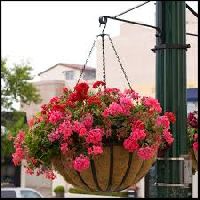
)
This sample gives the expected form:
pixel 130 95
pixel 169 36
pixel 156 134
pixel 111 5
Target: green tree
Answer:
pixel 16 85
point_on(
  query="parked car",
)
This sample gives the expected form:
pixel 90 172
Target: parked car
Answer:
pixel 19 192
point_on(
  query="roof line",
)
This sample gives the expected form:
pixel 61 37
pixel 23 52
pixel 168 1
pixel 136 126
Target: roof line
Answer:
pixel 74 66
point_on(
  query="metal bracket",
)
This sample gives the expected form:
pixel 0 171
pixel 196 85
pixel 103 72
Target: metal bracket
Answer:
pixel 172 184
pixel 102 20
pixel 185 170
pixel 171 46
pixel 171 158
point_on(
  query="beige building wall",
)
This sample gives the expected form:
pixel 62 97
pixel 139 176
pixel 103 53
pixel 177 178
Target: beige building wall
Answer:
pixel 134 46
pixel 134 49
pixel 192 53
pixel 47 90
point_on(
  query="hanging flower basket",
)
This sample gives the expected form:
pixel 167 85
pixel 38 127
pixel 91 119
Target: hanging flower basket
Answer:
pixel 192 130
pixel 98 140
pixel 114 170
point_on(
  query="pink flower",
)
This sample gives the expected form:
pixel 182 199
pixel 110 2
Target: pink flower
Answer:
pixel 81 163
pixel 195 146
pixel 115 109
pixel 138 124
pixel 88 121
pixel 153 104
pixel 65 128
pixel 49 174
pixel 138 134
pixel 29 171
pixel 55 116
pixel 18 156
pixel 168 136
pixel 146 153
pixel 105 113
pixel 82 131
pixel 195 136
pixel 19 139
pixel 53 136
pixel 163 121
pixel 94 136
pixel 130 144
pixel 64 148
pixel 31 122
pixel 126 102
pixel 79 128
pixel 131 93
pixel 96 150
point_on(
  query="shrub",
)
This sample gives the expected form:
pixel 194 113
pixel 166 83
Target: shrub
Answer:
pixel 59 188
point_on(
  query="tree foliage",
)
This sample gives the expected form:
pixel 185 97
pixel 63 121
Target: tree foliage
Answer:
pixel 16 85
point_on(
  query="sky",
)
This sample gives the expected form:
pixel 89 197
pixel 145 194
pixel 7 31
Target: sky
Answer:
pixel 44 33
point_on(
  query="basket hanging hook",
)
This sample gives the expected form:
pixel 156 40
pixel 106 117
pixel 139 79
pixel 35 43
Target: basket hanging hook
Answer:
pixel 103 20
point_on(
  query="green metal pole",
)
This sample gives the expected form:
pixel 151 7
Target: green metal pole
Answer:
pixel 173 179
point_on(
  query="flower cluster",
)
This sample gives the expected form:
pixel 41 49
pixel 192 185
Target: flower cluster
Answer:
pixel 80 123
pixel 192 129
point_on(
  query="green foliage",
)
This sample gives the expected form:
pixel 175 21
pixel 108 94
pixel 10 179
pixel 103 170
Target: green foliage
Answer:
pixel 37 137
pixel 59 188
pixel 15 85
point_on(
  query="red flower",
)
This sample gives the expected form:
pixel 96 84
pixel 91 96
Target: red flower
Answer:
pixel 44 109
pixel 94 100
pixel 170 116
pixel 65 90
pixel 54 100
pixel 98 83
pixel 82 90
pixel 193 119
pixel 138 124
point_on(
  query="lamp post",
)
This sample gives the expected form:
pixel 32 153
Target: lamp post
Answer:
pixel 173 170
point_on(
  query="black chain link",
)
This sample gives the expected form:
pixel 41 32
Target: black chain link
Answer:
pixel 104 66
pixel 126 77
pixel 82 70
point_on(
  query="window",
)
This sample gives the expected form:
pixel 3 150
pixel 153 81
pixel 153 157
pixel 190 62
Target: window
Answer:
pixel 89 75
pixel 69 75
pixel 29 194
pixel 8 194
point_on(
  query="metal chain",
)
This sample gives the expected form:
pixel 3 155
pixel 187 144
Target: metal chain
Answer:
pixel 82 70
pixel 104 66
pixel 103 54
pixel 126 77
